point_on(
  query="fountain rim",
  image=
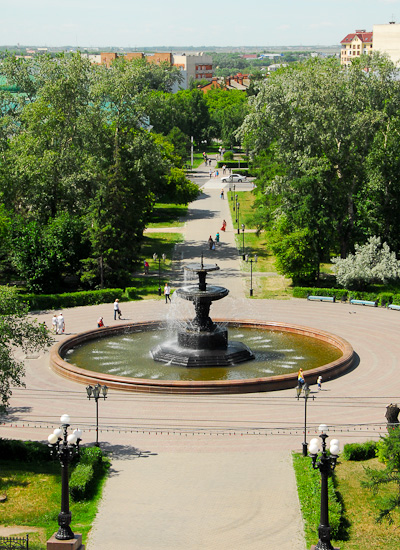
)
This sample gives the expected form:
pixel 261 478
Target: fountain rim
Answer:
pixel 249 385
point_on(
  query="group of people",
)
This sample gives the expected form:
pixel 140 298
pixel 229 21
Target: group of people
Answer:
pixel 58 323
pixel 301 380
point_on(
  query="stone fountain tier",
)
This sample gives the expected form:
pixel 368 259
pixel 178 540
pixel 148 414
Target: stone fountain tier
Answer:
pixel 201 342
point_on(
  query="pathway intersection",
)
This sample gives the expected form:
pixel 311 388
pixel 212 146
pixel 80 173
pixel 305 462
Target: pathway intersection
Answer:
pixel 213 472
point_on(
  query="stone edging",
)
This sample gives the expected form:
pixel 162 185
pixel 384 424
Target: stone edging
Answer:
pixel 280 382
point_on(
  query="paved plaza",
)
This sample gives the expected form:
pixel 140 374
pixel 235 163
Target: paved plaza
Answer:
pixel 213 472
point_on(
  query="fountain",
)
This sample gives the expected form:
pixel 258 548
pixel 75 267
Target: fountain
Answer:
pixel 201 342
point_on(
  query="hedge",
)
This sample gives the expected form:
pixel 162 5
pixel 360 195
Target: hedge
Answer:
pixel 72 299
pixel 359 451
pixel 85 476
pixel 233 164
pixel 342 294
pixel 24 451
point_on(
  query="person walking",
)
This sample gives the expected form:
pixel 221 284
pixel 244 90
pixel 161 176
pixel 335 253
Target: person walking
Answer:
pixel 210 242
pixel 217 238
pixel 60 324
pixel 300 377
pixel 167 292
pixel 223 228
pixel 54 323
pixel 146 267
pixel 222 194
pixel 117 310
pixel 319 382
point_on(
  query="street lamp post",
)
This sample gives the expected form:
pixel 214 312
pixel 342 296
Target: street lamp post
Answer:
pixel 306 393
pixel 251 272
pixel 64 447
pixel 94 391
pixel 238 217
pixel 326 464
pixel 155 258
pixel 243 254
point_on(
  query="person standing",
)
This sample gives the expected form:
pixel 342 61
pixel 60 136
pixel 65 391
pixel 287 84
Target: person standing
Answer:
pixel 116 309
pixel 60 324
pixel 167 292
pixel 54 323
pixel 146 267
pixel 222 194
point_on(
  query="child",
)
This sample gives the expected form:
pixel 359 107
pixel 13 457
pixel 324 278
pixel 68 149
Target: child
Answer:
pixel 319 382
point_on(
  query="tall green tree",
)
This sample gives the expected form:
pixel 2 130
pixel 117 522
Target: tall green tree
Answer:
pixel 17 330
pixel 320 123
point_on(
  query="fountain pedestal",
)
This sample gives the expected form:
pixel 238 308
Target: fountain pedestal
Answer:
pixel 201 342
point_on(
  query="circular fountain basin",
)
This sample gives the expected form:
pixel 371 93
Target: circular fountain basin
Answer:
pixel 256 384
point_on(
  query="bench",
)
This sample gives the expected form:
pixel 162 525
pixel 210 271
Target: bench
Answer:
pixel 363 303
pixel 393 306
pixel 322 298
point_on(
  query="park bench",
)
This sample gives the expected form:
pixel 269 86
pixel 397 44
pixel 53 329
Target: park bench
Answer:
pixel 322 298
pixel 364 302
pixel 393 306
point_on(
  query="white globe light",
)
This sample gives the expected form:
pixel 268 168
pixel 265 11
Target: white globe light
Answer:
pixel 323 428
pixel 72 438
pixel 65 419
pixel 334 442
pixel 334 449
pixel 313 446
pixel 52 439
pixel 78 433
pixel 58 432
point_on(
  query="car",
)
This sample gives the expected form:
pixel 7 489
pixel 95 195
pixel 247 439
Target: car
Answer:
pixel 233 178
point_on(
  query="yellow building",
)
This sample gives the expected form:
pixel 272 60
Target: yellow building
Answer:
pixel 354 45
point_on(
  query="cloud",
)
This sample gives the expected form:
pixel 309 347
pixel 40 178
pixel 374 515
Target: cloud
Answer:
pixel 283 27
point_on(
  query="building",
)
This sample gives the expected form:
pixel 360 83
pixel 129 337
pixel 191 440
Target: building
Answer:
pixel 354 45
pixel 193 66
pixel 387 40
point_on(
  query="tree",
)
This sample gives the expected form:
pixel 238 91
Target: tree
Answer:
pixel 372 262
pixel 377 479
pixel 227 109
pixel 320 124
pixel 16 331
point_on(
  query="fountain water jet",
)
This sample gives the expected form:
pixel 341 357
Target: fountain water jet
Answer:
pixel 201 342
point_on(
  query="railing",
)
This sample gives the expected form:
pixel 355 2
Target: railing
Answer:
pixel 14 543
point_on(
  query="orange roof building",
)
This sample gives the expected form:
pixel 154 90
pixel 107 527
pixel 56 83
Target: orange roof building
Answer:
pixel 354 45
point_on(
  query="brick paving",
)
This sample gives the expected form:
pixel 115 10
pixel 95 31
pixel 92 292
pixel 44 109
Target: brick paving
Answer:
pixel 213 472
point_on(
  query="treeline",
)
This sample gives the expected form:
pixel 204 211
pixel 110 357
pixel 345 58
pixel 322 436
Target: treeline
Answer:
pixel 85 151
pixel 326 142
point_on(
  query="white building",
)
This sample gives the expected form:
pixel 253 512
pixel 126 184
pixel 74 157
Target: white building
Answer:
pixel 387 40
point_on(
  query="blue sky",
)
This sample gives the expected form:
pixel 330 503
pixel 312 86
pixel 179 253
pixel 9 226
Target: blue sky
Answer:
pixel 134 24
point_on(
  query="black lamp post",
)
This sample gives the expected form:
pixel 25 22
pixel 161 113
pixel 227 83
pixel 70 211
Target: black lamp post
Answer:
pixel 306 392
pixel 64 447
pixel 94 391
pixel 243 254
pixel 156 257
pixel 326 464
pixel 251 272
pixel 238 217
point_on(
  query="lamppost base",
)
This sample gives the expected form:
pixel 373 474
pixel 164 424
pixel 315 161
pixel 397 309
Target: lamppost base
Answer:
pixel 305 449
pixel 159 291
pixel 71 544
pixel 251 292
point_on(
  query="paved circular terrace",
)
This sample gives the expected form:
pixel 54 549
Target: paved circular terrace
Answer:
pixel 213 471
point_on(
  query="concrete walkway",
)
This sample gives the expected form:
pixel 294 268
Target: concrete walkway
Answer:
pixel 213 472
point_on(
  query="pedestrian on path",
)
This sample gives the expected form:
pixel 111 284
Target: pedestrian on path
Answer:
pixel 217 238
pixel 300 377
pixel 167 292
pixel 210 172
pixel 54 323
pixel 319 382
pixel 146 267
pixel 222 194
pixel 210 242
pixel 223 226
pixel 100 322
pixel 117 311
pixel 60 324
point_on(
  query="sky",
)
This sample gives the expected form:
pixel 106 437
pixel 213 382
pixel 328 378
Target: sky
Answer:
pixel 179 23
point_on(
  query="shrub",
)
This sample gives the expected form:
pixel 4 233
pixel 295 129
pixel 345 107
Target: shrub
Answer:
pixel 81 482
pixel 228 155
pixel 72 299
pixel 303 292
pixel 24 451
pixel 359 451
pixel 92 465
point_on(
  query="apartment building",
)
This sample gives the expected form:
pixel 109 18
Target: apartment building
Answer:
pixel 196 66
pixel 387 40
pixel 356 44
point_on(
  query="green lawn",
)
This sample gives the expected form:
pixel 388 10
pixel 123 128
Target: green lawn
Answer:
pixel 34 499
pixel 168 215
pixel 359 528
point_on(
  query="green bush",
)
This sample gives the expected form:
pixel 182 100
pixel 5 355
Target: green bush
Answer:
pixel 81 482
pixel 359 451
pixel 24 451
pixel 228 155
pixel 303 292
pixel 84 478
pixel 72 299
